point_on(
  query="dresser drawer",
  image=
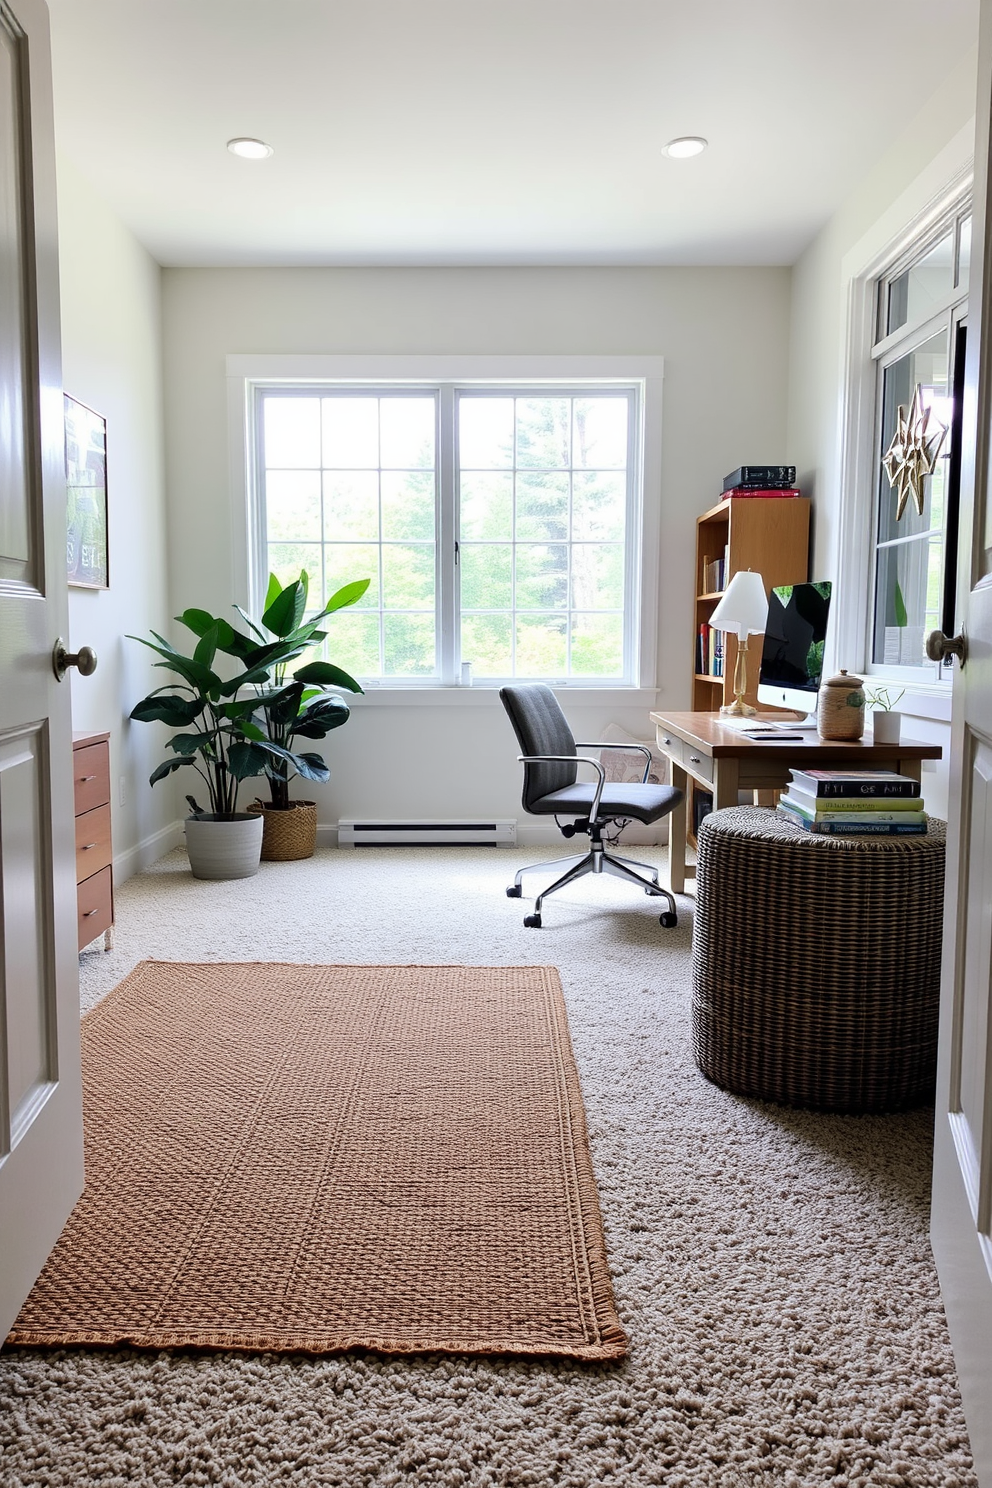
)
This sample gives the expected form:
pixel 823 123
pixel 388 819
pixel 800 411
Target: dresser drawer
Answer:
pixel 91 776
pixel 93 849
pixel 95 898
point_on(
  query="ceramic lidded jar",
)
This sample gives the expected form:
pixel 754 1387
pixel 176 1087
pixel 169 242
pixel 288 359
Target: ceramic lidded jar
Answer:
pixel 840 712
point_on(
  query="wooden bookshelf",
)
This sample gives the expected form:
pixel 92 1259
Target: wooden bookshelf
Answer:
pixel 763 533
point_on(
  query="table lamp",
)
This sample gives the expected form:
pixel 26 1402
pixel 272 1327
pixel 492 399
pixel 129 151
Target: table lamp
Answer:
pixel 743 611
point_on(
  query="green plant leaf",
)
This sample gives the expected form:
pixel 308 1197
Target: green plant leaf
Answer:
pixel 282 707
pixel 349 594
pixel 166 768
pixel 326 675
pixel 272 592
pixel 167 708
pixel 202 743
pixel 207 647
pixel 899 606
pixel 311 767
pixel 252 731
pixel 321 717
pixel 249 622
pixel 284 613
pixel 245 760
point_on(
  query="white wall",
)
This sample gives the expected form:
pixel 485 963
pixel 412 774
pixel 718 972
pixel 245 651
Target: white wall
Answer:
pixel 111 357
pixel 934 148
pixel 723 334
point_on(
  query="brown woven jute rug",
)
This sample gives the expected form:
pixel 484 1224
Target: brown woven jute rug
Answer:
pixel 321 1158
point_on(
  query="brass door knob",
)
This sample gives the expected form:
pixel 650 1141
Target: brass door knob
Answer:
pixel 62 660
pixel 941 648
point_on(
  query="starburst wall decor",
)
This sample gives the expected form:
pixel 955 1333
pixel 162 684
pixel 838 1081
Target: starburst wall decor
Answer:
pixel 914 452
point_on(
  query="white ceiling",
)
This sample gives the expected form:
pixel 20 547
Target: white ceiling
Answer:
pixel 489 131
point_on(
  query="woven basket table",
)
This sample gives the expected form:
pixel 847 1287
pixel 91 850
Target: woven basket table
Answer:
pixel 816 962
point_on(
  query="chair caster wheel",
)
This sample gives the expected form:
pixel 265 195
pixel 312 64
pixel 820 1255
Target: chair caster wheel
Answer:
pixel 514 891
pixel 533 922
pixel 668 919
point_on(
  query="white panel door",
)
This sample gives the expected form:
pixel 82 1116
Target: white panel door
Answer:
pixel 961 1215
pixel 41 1164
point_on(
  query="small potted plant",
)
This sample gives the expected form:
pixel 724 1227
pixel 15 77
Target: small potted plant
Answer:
pixel 885 723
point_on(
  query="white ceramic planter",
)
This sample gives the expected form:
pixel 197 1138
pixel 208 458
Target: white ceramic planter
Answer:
pixel 224 846
pixel 885 727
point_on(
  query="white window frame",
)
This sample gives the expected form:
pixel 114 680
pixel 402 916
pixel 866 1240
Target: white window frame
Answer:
pixel 574 374
pixel 927 690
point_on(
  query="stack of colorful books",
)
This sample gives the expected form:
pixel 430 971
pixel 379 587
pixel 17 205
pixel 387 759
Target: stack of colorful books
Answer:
pixel 854 803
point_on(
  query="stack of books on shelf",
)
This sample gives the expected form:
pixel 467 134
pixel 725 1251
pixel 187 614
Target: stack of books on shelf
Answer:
pixel 715 573
pixel 854 803
pixel 709 651
pixel 761 480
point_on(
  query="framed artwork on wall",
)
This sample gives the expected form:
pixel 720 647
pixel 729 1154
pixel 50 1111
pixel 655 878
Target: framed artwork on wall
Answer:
pixel 86 496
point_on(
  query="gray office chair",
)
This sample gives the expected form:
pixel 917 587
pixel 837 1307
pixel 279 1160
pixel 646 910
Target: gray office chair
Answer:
pixel 551 766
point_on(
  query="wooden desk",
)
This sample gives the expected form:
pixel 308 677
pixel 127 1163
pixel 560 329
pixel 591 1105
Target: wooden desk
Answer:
pixel 723 761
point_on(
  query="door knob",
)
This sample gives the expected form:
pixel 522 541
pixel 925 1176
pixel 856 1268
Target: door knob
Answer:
pixel 84 659
pixel 941 648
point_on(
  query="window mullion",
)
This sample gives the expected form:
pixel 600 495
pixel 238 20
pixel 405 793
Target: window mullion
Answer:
pixel 448 618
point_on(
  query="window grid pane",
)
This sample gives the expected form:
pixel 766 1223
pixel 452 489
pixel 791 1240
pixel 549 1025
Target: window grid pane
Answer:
pixel 361 466
pixel 564 614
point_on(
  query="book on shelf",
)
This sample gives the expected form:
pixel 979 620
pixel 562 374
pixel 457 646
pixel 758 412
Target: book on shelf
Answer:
pixel 760 475
pixel 703 648
pixel 855 783
pixel 853 828
pixel 830 805
pixel 830 813
pixel 779 492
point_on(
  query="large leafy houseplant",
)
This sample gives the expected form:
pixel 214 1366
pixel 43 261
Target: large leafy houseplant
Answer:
pixel 300 708
pixel 228 736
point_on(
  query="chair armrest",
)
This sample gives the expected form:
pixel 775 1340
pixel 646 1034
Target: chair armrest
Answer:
pixel 627 749
pixel 571 759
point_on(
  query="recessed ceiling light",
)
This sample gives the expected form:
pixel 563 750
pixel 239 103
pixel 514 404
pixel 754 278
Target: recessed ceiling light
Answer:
pixel 249 149
pixel 684 146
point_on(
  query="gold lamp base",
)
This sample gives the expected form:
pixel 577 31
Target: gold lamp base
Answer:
pixel 739 708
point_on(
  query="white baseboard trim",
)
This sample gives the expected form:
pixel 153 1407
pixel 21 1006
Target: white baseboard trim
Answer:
pixel 148 851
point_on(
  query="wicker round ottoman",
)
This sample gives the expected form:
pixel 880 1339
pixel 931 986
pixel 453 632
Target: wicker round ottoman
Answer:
pixel 816 962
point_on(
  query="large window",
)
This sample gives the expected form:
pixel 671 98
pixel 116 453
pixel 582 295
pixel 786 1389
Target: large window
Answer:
pixel 919 348
pixel 499 525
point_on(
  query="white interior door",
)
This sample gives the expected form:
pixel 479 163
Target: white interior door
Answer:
pixel 961 1217
pixel 41 1164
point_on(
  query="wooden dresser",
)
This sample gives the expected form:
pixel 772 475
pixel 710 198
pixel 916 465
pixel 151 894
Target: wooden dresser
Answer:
pixel 94 854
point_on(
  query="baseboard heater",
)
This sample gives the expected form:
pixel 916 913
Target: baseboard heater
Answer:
pixel 383 833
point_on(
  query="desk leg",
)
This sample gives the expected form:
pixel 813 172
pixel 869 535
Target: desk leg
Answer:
pixel 726 775
pixel 676 834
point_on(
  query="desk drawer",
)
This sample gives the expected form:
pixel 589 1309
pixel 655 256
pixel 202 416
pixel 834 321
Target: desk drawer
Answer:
pixel 93 850
pixel 95 900
pixel 670 744
pixel 91 776
pixel 697 763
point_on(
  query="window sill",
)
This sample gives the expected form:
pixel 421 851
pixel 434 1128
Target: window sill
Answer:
pixel 488 697
pixel 921 699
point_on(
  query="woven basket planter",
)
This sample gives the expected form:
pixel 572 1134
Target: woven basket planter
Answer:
pixel 816 963
pixel 287 835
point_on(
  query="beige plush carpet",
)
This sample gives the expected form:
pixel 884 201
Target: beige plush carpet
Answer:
pixel 322 1158
pixel 771 1267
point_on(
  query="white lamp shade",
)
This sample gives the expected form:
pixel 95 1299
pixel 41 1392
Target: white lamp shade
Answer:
pixel 744 607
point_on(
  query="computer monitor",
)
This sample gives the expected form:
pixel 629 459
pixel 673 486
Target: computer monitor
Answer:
pixel 792 656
